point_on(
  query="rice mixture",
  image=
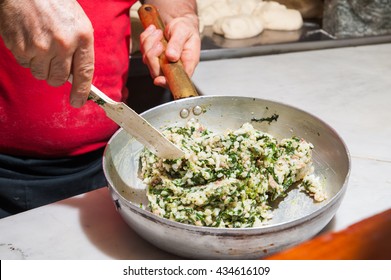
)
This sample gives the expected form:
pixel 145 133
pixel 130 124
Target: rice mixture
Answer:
pixel 226 180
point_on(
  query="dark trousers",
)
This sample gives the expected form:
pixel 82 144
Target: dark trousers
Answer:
pixel 27 183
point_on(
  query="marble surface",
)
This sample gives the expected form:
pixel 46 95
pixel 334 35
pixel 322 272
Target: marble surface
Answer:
pixel 349 88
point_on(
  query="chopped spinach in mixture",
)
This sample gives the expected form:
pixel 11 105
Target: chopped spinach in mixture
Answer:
pixel 226 180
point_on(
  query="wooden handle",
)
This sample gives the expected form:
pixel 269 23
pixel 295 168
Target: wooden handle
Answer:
pixel 178 81
pixel 369 239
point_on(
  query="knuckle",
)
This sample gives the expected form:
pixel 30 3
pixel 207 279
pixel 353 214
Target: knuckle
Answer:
pixel 41 43
pixel 38 69
pixel 38 74
pixel 23 60
pixel 63 44
pixel 21 54
pixel 86 36
pixel 143 37
pixel 17 45
pixel 57 79
pixel 70 40
pixel 85 72
pixel 59 73
pixel 82 90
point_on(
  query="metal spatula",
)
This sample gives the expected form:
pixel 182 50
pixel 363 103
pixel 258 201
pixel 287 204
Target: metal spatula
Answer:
pixel 135 125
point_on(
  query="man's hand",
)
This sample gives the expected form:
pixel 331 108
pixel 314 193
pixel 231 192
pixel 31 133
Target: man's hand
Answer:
pixel 54 38
pixel 182 35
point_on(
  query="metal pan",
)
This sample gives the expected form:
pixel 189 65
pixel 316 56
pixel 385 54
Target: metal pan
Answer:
pixel 295 219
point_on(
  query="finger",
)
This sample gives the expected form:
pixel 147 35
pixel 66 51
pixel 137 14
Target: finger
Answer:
pixel 151 59
pixel 39 67
pixel 19 48
pixel 160 81
pixel 183 45
pixel 82 70
pixel 23 61
pixel 148 38
pixel 175 45
pixel 178 32
pixel 145 34
pixel 151 41
pixel 152 48
pixel 59 71
pixel 191 57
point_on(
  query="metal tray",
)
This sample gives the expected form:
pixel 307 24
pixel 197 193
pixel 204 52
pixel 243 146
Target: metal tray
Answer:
pixel 310 37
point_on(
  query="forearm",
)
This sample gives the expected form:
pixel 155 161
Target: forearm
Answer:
pixel 170 9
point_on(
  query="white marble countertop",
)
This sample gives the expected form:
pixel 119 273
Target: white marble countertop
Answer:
pixel 349 88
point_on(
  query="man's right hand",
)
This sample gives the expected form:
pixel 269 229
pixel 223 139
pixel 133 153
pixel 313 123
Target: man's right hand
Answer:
pixel 54 38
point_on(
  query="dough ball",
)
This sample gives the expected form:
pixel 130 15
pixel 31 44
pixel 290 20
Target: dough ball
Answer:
pixel 201 26
pixel 286 20
pixel 217 26
pixel 307 8
pixel 211 13
pixel 267 5
pixel 238 26
pixel 201 4
pixel 275 16
pixel 243 6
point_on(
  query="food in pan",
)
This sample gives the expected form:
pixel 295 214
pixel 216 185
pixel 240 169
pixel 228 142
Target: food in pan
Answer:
pixel 227 180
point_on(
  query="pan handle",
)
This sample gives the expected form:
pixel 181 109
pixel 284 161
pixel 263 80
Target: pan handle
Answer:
pixel 178 81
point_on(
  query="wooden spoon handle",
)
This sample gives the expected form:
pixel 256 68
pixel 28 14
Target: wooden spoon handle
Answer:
pixel 178 81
